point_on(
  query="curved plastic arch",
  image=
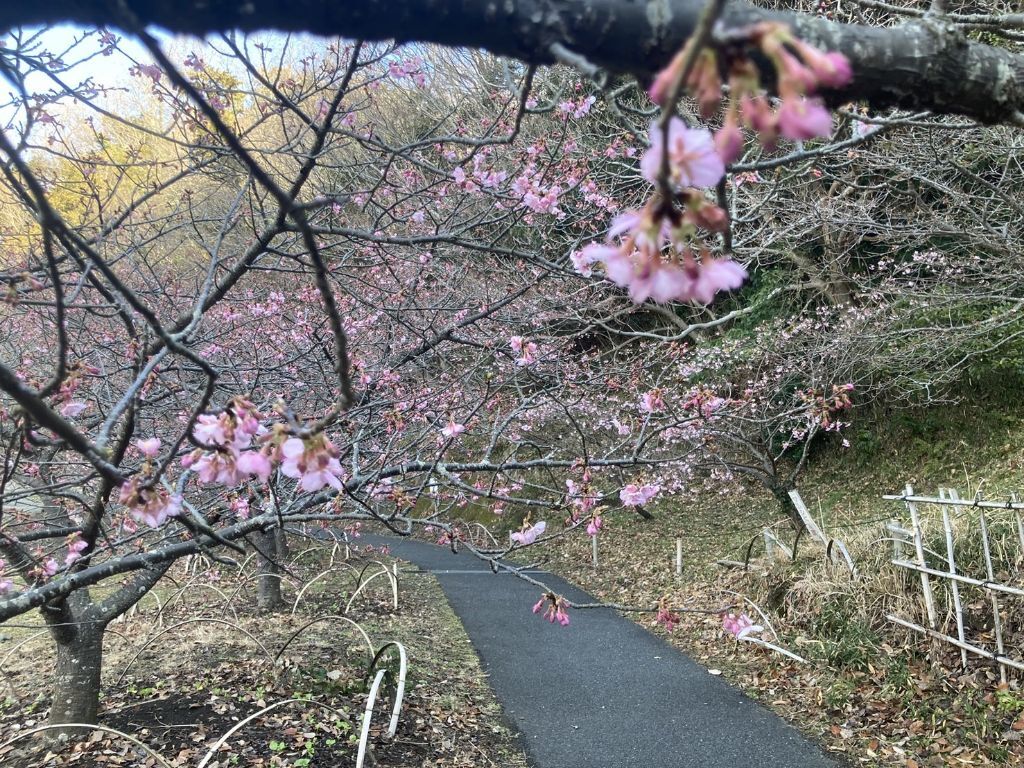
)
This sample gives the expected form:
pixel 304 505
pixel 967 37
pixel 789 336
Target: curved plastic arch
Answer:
pixel 189 584
pixel 403 668
pixel 328 617
pixel 220 742
pixel 91 727
pixel 486 530
pixel 364 731
pixel 362 584
pixel 314 580
pixel 192 621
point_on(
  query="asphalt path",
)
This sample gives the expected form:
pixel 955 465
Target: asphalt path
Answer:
pixel 602 692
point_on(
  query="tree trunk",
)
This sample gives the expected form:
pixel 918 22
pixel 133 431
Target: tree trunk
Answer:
pixel 76 685
pixel 268 594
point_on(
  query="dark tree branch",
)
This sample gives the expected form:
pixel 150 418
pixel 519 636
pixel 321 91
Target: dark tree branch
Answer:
pixel 924 64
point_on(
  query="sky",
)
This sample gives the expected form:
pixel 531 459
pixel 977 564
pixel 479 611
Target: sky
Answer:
pixel 86 60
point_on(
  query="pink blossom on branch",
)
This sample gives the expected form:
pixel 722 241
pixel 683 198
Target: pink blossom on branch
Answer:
pixel 313 462
pixel 693 160
pixel 739 626
pixel 76 545
pixel 149 447
pixel 634 495
pixel 527 350
pixel 557 608
pixel 72 409
pixel 152 506
pixel 800 119
pixel 529 533
pixel 641 265
pixel 453 429
pixel 6 585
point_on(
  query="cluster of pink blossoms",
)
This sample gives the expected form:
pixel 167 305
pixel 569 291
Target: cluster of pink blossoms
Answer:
pixel 529 533
pixel 739 626
pixel 801 70
pixel 666 616
pixel 656 257
pixel 653 258
pixel 76 545
pixel 557 608
pixel 152 506
pixel 634 495
pixel 526 350
pixel 227 437
pixel 69 407
pixel 6 585
pixel 452 429
pixel 313 462
pixel 235 447
pixel 704 401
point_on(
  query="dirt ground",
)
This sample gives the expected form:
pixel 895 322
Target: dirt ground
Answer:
pixel 197 660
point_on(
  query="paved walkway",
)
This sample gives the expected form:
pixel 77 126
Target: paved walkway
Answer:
pixel 602 692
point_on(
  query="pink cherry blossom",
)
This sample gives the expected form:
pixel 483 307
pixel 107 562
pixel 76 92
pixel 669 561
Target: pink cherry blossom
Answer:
pixel 527 351
pixel 529 534
pixel 240 507
pixel 830 69
pixel 716 275
pixel 652 402
pixel 634 495
pixel 75 547
pixel 583 260
pixel 312 462
pixel 693 159
pixel 801 119
pixel 209 429
pixel 6 585
pixel 72 409
pixel 667 618
pixel 453 429
pixel 729 140
pixel 152 506
pixel 254 463
pixel 647 277
pixel 739 625
pixel 150 447
pixel 594 526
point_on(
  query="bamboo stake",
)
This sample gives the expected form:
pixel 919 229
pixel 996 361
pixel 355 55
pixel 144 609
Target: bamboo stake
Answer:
pixel 990 586
pixel 679 557
pixel 967 646
pixel 997 623
pixel 899 536
pixel 1020 525
pixel 926 585
pixel 954 586
pixel 805 515
pixel 593 550
pixel 956 501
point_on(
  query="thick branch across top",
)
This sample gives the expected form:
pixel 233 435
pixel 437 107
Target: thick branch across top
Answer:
pixel 924 64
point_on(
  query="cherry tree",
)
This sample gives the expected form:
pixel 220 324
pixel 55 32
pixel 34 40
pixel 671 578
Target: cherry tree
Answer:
pixel 325 286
